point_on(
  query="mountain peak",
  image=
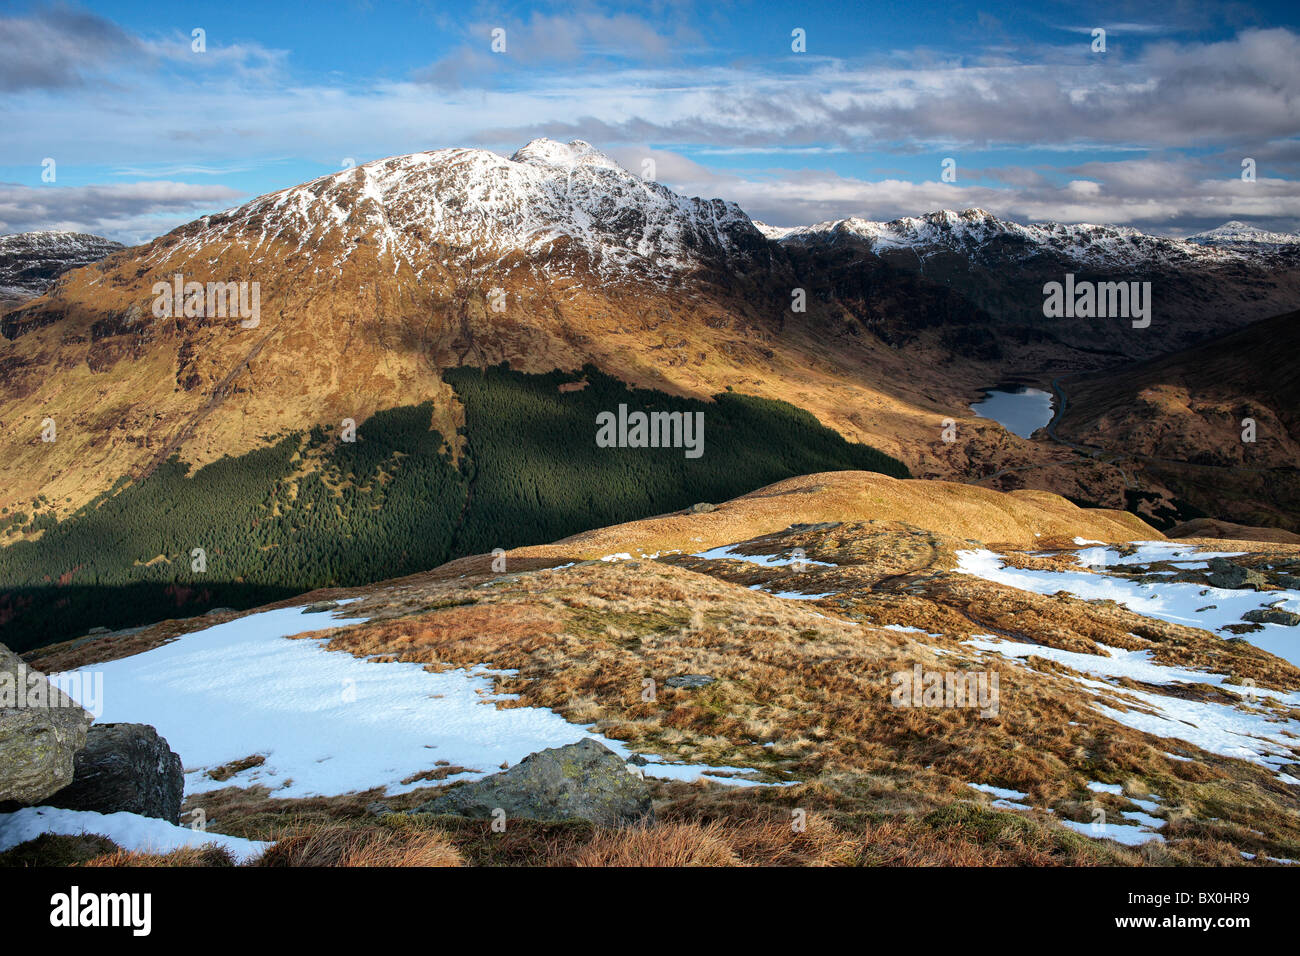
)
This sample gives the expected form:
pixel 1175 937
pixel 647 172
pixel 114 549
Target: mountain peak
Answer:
pixel 576 152
pixel 1237 232
pixel 474 206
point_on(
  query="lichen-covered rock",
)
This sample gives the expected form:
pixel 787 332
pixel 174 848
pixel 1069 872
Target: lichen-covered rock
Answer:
pixel 582 781
pixel 41 729
pixel 1224 574
pixel 125 767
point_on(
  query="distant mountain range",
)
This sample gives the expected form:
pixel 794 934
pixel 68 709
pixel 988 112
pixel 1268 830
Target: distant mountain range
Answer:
pixel 1239 234
pixel 1201 287
pixel 31 261
pixel 983 236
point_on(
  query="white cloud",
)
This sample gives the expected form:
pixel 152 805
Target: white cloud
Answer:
pixel 129 212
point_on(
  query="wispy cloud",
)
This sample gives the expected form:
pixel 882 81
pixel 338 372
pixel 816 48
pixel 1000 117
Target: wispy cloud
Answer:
pixel 506 48
pixel 130 212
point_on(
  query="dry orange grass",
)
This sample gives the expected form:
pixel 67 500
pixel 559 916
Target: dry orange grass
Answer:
pixel 1211 532
pixel 723 842
pixel 802 692
pixel 210 855
pixel 341 845
pixel 802 687
pixel 673 844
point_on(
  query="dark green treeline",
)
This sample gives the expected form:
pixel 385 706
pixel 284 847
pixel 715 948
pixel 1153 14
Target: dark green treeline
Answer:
pixel 311 511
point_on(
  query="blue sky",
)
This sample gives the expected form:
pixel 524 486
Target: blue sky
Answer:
pixel 146 132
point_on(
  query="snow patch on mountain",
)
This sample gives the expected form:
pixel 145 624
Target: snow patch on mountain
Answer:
pixel 775 232
pixel 326 722
pixel 571 209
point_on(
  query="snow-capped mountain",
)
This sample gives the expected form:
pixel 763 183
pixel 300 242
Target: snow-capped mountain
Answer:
pixel 978 234
pixel 476 207
pixel 1242 234
pixel 31 261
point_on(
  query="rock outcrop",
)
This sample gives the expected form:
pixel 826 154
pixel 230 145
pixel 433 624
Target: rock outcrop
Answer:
pixel 125 767
pixel 582 781
pixel 1225 574
pixel 41 729
pixel 1273 615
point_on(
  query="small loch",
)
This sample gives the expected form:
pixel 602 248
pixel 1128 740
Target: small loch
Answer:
pixel 1017 408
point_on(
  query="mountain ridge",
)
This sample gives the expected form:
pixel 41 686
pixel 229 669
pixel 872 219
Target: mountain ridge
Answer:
pixel 1087 244
pixel 468 202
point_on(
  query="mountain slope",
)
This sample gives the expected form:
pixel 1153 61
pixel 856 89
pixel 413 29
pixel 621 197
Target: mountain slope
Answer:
pixel 914 695
pixel 316 509
pixel 1182 417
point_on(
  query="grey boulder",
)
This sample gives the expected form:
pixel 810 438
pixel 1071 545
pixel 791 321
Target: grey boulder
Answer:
pixel 1272 615
pixel 41 729
pixel 1224 574
pixel 320 606
pixel 125 767
pixel 582 781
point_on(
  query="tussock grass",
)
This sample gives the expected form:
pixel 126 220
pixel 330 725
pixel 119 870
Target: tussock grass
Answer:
pixel 341 845
pixel 801 688
pixel 673 844
pixel 58 849
pixel 209 855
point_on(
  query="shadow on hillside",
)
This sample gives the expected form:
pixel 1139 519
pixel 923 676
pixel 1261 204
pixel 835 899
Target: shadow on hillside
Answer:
pixel 34 617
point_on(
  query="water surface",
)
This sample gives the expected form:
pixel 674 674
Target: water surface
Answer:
pixel 1018 409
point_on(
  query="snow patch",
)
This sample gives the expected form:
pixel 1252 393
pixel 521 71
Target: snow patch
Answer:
pixel 130 831
pixel 326 722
